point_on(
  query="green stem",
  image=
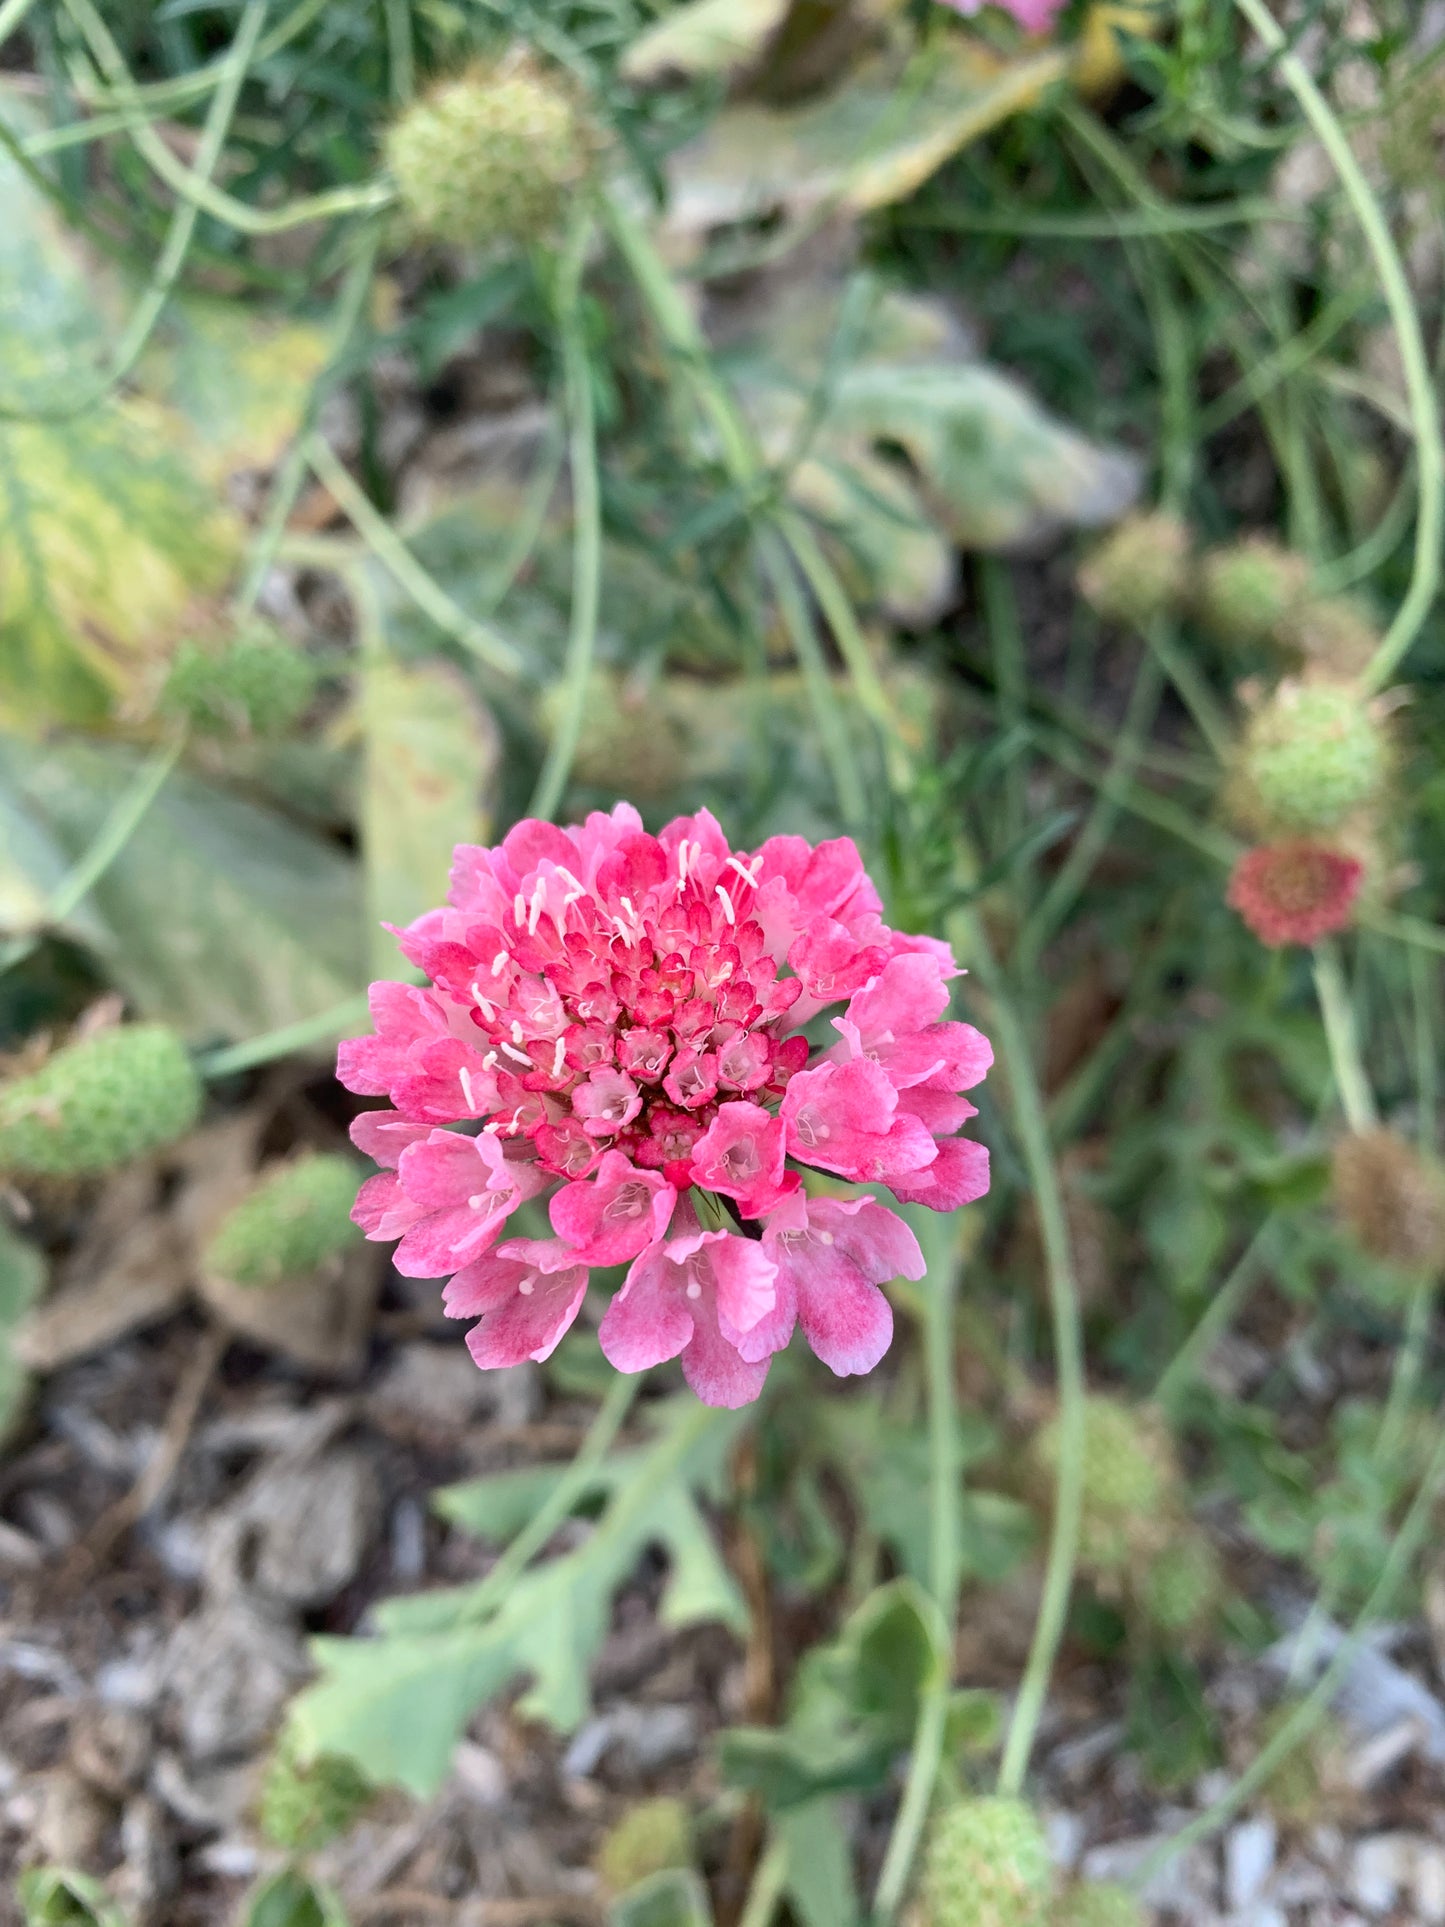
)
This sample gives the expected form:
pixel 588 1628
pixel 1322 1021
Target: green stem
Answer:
pixel 172 259
pixel 1179 1374
pixel 1424 408
pixel 557 1508
pixel 1351 1083
pixel 766 1891
pixel 1010 676
pixel 369 197
pixel 286 487
pixel 940 1241
pixel 586 529
pixel 832 729
pixel 1409 1363
pixel 386 545
pixel 1146 224
pixel 12 17
pixel 1310 1709
pixel 1029 1122
pixel 115 832
pixel 324 1028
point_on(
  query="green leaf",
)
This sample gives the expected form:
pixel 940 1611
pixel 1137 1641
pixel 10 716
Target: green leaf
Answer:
pixel 218 916
pixel 675 1898
pixel 61 1897
pixel 869 142
pixel 432 753
pixel 22 1279
pixel 397 1703
pixel 289 1899
pixel 853 1706
pixel 819 1884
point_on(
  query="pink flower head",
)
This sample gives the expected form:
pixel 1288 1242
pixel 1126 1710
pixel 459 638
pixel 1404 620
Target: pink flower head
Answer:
pixel 614 1025
pixel 1295 891
pixel 1034 16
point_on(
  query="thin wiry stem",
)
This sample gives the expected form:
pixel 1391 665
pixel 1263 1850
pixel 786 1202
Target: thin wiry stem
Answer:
pixel 586 529
pixel 1351 1083
pixel 1424 406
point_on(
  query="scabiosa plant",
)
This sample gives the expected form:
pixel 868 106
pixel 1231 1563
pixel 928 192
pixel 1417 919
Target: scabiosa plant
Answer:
pixel 620 1020
pixel 1295 891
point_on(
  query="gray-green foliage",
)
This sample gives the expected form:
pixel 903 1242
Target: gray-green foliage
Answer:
pixel 396 1703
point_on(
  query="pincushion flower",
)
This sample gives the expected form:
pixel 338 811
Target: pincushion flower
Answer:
pixel 1295 891
pixel 653 1034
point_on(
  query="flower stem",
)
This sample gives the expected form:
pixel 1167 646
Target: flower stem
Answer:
pixel 767 1889
pixel 1424 415
pixel 1029 1121
pixel 1351 1082
pixel 1215 1317
pixel 611 1415
pixel 586 527
pixel 324 1028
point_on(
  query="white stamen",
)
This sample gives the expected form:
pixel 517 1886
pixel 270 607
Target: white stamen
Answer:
pixel 500 962
pixel 482 1201
pixel 527 1284
pixel 518 1035
pixel 736 863
pixel 684 858
pixel 825 1237
pixel 519 908
pixel 489 1060
pixel 484 1004
pixel 539 899
pixel 517 1056
pixel 558 1056
pixel 466 1082
pixel 694 1289
pixel 626 903
pixel 727 904
pixel 567 877
pixel 488 1129
pixel 626 932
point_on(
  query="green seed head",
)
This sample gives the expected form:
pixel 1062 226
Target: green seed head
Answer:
pixel 1140 571
pixel 1100 1904
pixel 302 1807
pixel 1130 1482
pixel 1246 591
pixel 987 1865
pixel 98 1103
pixel 298 1216
pixel 653 1837
pixel 258 685
pixel 1313 752
pixel 1183 1589
pixel 496 154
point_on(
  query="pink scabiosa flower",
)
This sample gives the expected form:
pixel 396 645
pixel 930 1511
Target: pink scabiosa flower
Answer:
pixel 652 1034
pixel 1034 16
pixel 1295 891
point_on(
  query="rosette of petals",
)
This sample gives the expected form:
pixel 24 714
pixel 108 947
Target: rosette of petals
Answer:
pixel 614 1026
pixel 1295 891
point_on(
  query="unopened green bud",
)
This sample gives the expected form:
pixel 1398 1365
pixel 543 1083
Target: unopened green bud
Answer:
pixel 987 1865
pixel 302 1807
pixel 1183 1589
pixel 653 1837
pixel 1141 570
pixel 1313 751
pixel 1246 591
pixel 257 685
pixel 298 1216
pixel 101 1101
pixel 1131 1482
pixel 496 154
pixel 1100 1904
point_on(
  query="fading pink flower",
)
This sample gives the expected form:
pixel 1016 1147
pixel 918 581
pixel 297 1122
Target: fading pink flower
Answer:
pixel 1295 891
pixel 623 1017
pixel 1034 16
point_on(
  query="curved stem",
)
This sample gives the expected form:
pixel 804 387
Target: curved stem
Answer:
pixel 387 546
pixel 1351 1083
pixel 1215 1317
pixel 586 529
pixel 610 1418
pixel 1424 408
pixel 923 1764
pixel 324 1028
pixel 1310 1709
pixel 1014 1056
pixel 178 238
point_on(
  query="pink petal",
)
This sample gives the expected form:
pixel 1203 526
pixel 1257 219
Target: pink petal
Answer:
pixel 384 1135
pixel 613 1215
pixel 958 1175
pixel 532 1323
pixel 647 1321
pixel 716 1371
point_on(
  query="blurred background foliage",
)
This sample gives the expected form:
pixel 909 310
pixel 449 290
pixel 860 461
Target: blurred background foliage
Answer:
pixel 764 483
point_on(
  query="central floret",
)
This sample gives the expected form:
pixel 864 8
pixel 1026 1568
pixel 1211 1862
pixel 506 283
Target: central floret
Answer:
pixel 621 1016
